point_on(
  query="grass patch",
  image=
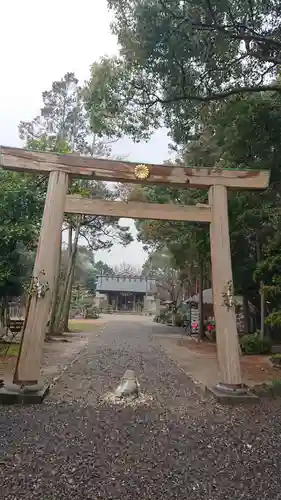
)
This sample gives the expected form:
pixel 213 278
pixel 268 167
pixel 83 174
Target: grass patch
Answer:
pixel 9 350
pixel 87 325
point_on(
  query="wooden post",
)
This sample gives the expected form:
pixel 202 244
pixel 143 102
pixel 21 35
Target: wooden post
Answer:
pixel 226 329
pixel 134 302
pixel 29 360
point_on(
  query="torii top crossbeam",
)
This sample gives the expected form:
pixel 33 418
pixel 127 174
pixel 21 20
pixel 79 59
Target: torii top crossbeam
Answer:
pixel 119 171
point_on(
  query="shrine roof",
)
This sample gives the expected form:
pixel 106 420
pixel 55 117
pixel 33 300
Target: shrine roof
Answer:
pixel 133 284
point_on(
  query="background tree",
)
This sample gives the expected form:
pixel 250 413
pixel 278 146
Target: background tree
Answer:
pixel 103 268
pixel 246 130
pixel 125 269
pixel 178 56
pixel 171 281
pixel 63 127
pixel 85 276
pixel 210 72
pixel 187 244
pixel 226 138
pixel 21 203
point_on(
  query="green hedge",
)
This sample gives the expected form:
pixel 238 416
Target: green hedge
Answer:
pixel 254 344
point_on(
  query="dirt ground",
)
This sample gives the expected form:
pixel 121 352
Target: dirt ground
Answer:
pixel 60 351
pixel 254 367
pixel 199 360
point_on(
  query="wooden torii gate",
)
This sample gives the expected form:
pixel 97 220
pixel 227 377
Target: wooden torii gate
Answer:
pixel 60 168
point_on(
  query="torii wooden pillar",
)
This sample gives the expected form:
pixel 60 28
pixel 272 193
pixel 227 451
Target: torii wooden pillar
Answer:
pixel 226 329
pixel 45 268
pixel 59 167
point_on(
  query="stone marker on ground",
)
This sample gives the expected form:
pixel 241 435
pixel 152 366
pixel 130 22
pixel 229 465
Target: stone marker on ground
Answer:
pixel 129 386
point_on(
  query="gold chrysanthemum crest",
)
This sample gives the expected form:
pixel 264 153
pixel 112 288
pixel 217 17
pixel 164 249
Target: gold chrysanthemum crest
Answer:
pixel 141 172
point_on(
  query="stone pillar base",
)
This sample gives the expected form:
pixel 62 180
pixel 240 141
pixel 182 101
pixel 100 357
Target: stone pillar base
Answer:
pixel 232 394
pixel 23 394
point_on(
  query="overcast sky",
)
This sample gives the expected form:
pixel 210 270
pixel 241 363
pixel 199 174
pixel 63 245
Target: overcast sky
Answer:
pixel 40 42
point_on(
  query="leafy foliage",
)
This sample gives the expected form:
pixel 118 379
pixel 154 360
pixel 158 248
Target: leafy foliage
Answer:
pixel 170 280
pixel 84 269
pixel 254 344
pixel 246 132
pixel 124 269
pixel 210 72
pixel 177 56
pixel 63 127
pixel 103 268
pixel 227 138
pixel 21 204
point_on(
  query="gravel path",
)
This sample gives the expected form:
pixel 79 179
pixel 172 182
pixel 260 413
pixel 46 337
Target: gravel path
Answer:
pixel 173 446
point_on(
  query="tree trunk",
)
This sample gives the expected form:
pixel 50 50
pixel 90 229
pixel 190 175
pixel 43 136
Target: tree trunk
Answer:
pixel 201 329
pixel 262 332
pixel 66 309
pixel 69 241
pixel 246 314
pixel 65 293
pixel 55 300
pixel 4 316
pixel 67 303
pixel 262 298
